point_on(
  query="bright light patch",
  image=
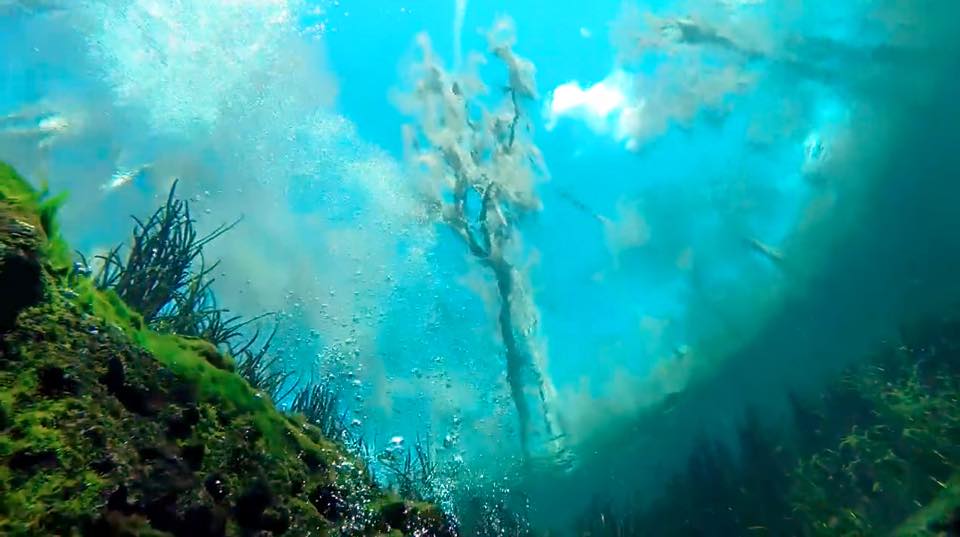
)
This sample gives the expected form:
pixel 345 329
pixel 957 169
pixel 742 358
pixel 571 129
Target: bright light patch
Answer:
pixel 566 97
pixel 602 99
pixel 601 106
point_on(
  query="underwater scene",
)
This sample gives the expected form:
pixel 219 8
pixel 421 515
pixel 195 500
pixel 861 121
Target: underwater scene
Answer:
pixel 479 268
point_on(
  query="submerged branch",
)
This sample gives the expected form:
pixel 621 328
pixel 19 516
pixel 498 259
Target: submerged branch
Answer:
pixel 487 158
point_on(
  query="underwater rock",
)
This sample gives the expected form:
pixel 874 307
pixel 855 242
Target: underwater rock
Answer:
pixel 54 380
pixel 329 503
pixel 416 519
pixel 28 461
pixel 252 504
pixel 182 425
pixel 20 272
pixel 204 521
pixel 216 486
pixel 108 428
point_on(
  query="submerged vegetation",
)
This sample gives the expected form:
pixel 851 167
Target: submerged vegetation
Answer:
pixel 110 427
pixel 134 402
pixel 165 279
pixel 319 404
pixel 159 278
pixel 876 453
pixel 150 416
pixel 122 421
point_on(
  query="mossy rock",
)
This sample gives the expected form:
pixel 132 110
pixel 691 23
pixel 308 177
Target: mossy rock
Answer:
pixel 107 428
pixel 411 518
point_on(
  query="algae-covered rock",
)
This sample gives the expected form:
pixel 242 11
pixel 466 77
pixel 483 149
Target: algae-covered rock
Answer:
pixel 20 284
pixel 111 429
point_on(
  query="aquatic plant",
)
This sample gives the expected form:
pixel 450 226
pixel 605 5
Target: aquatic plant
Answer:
pixel 110 428
pixel 263 370
pixel 875 452
pixel 903 456
pixel 481 167
pixel 167 281
pixel 157 278
pixel 412 471
pixel 319 403
pixel 491 508
pixel 194 312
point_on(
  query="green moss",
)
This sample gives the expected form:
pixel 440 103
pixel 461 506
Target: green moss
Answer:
pixel 182 357
pixel 15 188
pixel 231 393
pixel 191 359
pixel 47 210
pixel 41 208
pixel 107 306
pixel 6 409
pixel 188 358
pixel 7 446
pixel 210 353
pixel 45 500
pixel 62 487
pixel 122 402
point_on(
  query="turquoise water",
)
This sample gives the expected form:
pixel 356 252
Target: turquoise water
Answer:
pixel 737 199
